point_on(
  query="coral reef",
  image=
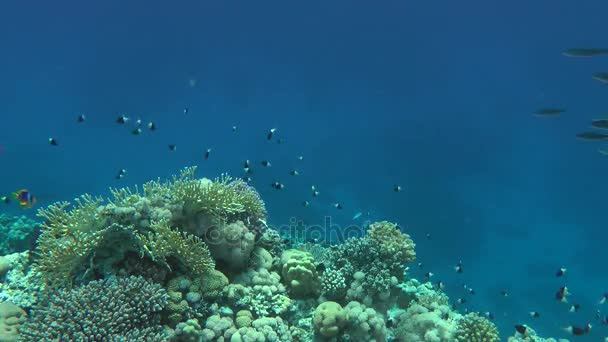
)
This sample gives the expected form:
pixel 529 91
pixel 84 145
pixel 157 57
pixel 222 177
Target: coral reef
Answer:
pixel 193 259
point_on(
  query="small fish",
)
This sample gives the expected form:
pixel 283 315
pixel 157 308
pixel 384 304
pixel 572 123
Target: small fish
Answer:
pixel 471 291
pixel 562 294
pixel 192 82
pixel 458 267
pixel 294 172
pixel 599 123
pixel 151 126
pixel 186 110
pixel 266 163
pixel 549 111
pixel 584 52
pixel 574 307
pixel 489 315
pixel 25 198
pixel 305 204
pixel 234 128
pixel 300 157
pixel 504 293
pixel 429 275
pixel 53 142
pixel 248 170
pixel 420 264
pixel 172 147
pixel 5 199
pixel 338 206
pixel 428 235
pixel 136 131
pixel 122 119
pixel 601 77
pixel 534 314
pixel 460 301
pixel 121 174
pixel 440 285
pixel 357 215
pixel 247 179
pixel 138 122
pixel 270 133
pixel 207 153
pixel 397 188
pixel 314 190
pixel 604 299
pixel 592 135
pixel 578 331
pixel 81 118
pixel 278 185
pixel 522 329
pixel 561 272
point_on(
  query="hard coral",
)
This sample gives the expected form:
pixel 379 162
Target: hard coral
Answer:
pixel 299 272
pixel 113 309
pixel 392 241
pixel 474 328
pixel 329 318
pixel 190 250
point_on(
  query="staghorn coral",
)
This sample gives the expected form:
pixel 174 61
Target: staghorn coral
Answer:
pixel 225 199
pixel 112 309
pixel 163 242
pixel 474 328
pixel 68 238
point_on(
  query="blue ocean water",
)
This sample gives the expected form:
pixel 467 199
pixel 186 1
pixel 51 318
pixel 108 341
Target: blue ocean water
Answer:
pixel 436 97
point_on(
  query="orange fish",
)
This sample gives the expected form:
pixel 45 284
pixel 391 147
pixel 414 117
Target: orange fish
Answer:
pixel 25 198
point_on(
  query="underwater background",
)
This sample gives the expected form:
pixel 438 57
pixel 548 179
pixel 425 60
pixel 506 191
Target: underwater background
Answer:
pixel 437 97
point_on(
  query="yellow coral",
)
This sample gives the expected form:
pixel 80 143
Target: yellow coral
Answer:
pixel 190 250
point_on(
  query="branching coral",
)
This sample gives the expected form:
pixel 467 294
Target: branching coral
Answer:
pixel 474 328
pixel 392 241
pixel 163 242
pixel 224 199
pixel 115 309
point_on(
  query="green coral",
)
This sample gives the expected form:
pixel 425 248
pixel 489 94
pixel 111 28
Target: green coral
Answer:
pixel 299 272
pixel 474 328
pixel 329 318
